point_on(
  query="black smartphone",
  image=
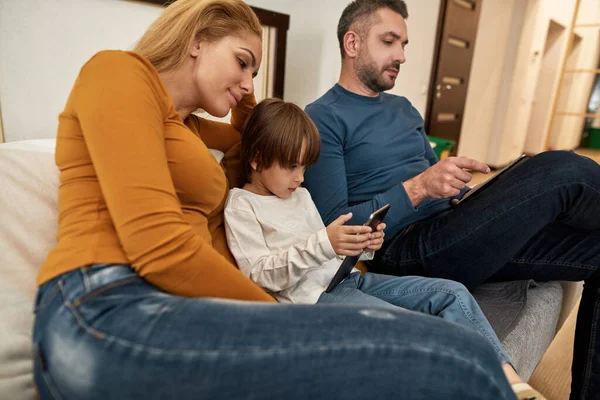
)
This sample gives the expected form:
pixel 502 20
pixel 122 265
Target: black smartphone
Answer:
pixel 485 184
pixel 377 217
pixel 350 261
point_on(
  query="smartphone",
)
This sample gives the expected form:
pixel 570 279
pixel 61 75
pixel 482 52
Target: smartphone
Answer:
pixel 377 217
pixel 350 261
pixel 485 184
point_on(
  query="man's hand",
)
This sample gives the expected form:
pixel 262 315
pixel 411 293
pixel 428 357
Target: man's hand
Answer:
pixel 349 240
pixel 444 179
pixel 454 202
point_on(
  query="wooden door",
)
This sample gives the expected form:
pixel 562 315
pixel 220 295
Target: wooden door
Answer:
pixel 457 29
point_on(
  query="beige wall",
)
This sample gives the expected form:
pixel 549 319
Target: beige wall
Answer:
pixel 44 43
pixel 506 64
pixel 413 80
pixel 508 56
pixel 569 99
pixel 493 56
pixel 506 145
pixel 548 77
pixel 524 136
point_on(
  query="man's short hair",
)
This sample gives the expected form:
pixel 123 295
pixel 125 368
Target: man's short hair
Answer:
pixel 360 12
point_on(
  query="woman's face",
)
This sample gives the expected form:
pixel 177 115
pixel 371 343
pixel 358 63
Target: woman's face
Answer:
pixel 223 71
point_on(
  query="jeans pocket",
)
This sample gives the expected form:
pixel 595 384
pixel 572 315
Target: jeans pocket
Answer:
pixel 45 294
pixel 105 288
pixel 90 308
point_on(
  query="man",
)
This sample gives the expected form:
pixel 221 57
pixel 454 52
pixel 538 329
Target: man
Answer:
pixel 542 222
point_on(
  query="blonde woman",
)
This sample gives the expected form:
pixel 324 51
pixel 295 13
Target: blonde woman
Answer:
pixel 141 299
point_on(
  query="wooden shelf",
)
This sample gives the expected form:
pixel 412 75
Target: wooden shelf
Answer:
pixel 588 26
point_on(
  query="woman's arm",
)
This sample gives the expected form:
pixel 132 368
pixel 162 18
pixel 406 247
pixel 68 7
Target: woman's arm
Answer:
pixel 219 135
pixel 225 137
pixel 119 103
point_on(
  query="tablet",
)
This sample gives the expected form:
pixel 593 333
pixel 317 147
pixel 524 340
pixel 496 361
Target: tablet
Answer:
pixel 485 184
pixel 350 261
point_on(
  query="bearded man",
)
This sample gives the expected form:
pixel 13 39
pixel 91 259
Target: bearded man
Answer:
pixel 540 221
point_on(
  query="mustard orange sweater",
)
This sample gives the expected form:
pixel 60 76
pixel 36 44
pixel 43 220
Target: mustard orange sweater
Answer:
pixel 139 186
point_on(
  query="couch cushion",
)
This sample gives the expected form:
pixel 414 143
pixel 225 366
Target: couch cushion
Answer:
pixel 535 330
pixel 502 303
pixel 28 203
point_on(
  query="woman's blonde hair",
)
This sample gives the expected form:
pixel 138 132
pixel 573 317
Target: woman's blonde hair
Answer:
pixel 166 43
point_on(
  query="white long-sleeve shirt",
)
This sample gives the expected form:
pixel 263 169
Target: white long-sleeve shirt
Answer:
pixel 281 244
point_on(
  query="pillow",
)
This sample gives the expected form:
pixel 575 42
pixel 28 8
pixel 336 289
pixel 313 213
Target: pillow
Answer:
pixel 29 209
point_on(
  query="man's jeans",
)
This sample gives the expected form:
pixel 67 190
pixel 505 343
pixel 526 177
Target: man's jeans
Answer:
pixel 102 332
pixel 441 298
pixel 539 221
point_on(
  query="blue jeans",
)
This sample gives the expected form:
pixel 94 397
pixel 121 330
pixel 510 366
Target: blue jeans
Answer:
pixel 442 298
pixel 102 332
pixel 539 221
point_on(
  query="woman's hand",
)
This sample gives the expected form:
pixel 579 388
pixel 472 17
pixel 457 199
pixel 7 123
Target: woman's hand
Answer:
pixel 350 240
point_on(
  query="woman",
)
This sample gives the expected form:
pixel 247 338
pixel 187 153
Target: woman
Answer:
pixel 141 299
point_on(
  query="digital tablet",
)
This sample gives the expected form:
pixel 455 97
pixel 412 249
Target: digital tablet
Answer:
pixel 350 261
pixel 493 179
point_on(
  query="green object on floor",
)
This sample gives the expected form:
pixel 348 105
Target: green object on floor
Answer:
pixel 441 147
pixel 594 138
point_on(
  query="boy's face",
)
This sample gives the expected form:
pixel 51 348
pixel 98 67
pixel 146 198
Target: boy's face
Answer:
pixel 277 180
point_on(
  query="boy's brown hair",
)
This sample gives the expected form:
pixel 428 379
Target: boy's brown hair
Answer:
pixel 274 134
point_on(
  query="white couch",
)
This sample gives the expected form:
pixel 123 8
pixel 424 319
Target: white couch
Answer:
pixel 28 215
pixel 28 224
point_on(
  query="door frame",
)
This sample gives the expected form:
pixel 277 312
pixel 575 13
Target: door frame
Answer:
pixel 436 57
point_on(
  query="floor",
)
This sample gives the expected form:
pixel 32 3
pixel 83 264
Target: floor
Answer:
pixel 591 153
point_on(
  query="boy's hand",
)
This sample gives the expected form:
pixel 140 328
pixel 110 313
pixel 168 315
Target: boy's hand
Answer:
pixel 349 240
pixel 377 238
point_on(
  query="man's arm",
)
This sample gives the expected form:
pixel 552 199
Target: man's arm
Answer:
pixel 327 180
pixel 448 179
pixel 429 153
pixel 220 135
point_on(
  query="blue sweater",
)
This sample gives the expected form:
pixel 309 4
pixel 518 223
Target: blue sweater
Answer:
pixel 370 145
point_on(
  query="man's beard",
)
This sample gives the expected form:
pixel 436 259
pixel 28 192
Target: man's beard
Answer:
pixel 371 76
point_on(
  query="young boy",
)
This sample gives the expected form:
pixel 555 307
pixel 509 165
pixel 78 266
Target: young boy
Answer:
pixel 278 239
